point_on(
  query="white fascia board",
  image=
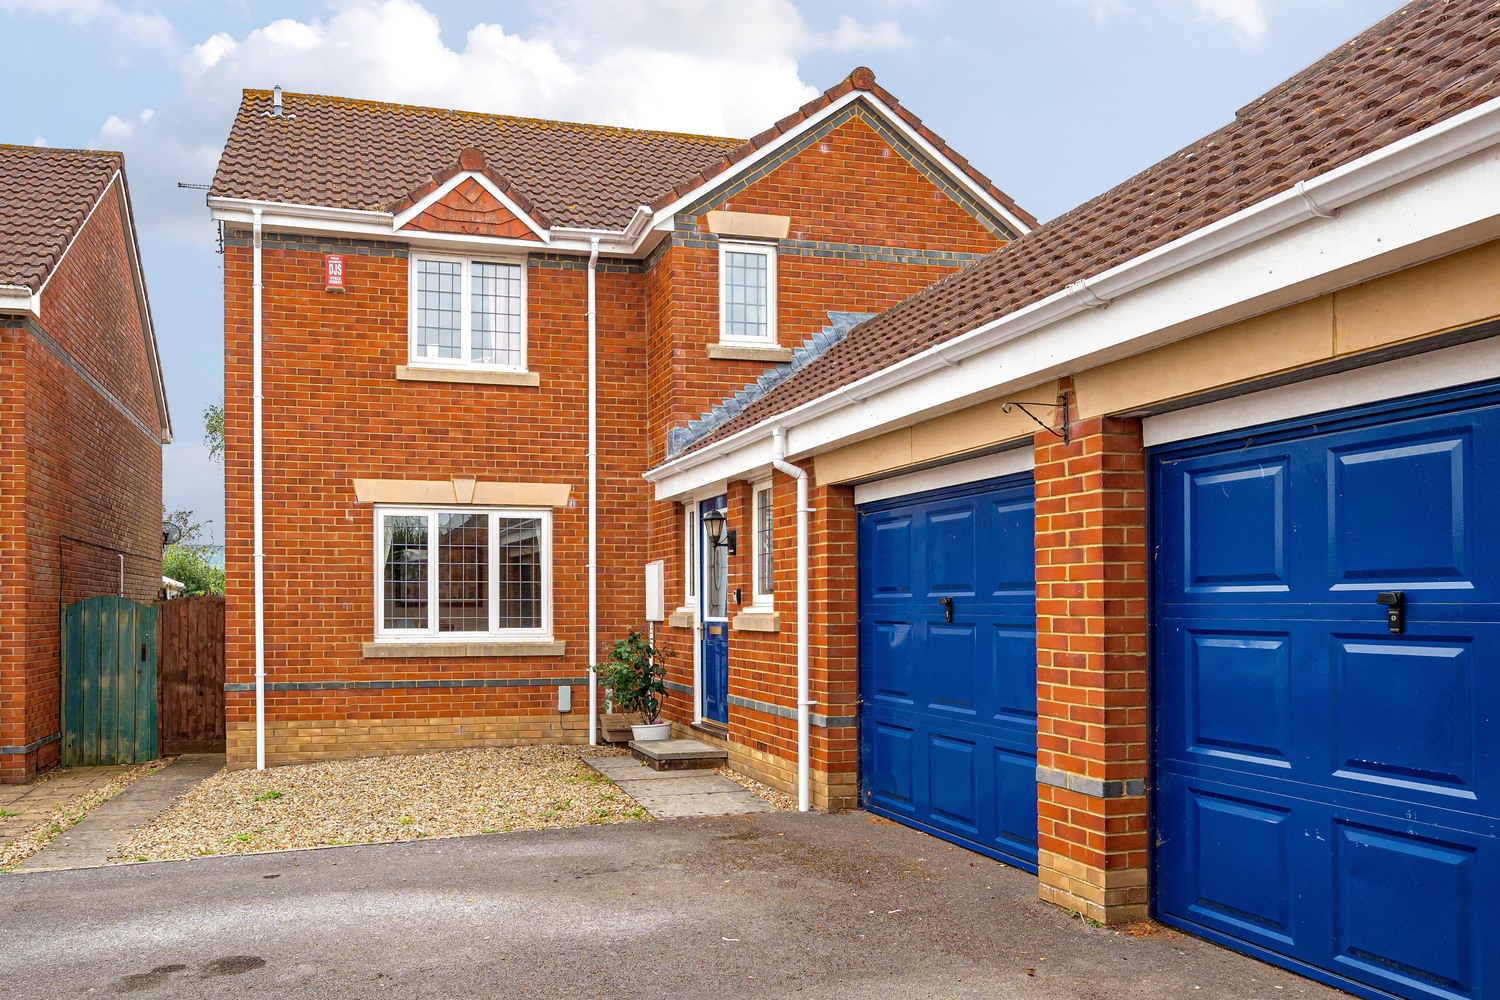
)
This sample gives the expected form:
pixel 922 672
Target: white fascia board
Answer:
pixel 1241 266
pixel 749 163
pixel 108 188
pixel 18 299
pixel 954 172
pixel 143 304
pixel 338 222
pixel 665 217
pixel 402 219
pixel 303 218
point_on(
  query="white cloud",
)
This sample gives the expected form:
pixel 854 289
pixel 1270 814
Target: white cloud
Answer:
pixel 850 35
pixel 151 29
pixel 721 67
pixel 1246 17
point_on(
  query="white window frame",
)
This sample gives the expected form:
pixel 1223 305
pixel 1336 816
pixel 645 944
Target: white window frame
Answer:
pixel 761 598
pixel 768 251
pixel 494 634
pixel 466 313
pixel 690 555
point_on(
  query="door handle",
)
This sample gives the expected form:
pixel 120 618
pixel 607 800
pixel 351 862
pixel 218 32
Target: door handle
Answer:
pixel 947 603
pixel 1395 609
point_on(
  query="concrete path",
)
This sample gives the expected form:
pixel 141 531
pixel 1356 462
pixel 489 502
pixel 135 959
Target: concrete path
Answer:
pixel 678 794
pixel 25 806
pixel 110 826
pixel 735 908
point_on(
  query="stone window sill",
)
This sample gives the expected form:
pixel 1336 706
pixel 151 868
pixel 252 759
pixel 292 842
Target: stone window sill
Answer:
pixel 413 373
pixel 757 621
pixel 680 619
pixel 765 355
pixel 385 650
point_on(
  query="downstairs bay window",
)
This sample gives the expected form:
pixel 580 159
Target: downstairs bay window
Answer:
pixel 468 574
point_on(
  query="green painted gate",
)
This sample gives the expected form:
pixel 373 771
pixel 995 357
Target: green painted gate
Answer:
pixel 109 682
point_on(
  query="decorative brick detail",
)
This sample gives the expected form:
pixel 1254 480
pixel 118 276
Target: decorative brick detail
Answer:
pixel 1092 697
pixel 469 209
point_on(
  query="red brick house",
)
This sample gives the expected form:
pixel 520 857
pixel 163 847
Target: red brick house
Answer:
pixel 1155 551
pixel 82 421
pixel 456 323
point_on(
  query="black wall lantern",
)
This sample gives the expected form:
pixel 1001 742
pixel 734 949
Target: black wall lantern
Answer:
pixel 713 527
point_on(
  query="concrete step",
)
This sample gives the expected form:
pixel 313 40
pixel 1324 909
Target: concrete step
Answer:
pixel 677 755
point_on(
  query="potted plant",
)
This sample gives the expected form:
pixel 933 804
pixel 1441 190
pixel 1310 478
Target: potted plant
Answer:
pixel 636 680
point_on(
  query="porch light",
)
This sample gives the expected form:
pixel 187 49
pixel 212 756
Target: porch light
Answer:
pixel 713 527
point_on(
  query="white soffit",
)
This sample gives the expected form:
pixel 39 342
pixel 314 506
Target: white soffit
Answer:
pixel 1005 463
pixel 1441 369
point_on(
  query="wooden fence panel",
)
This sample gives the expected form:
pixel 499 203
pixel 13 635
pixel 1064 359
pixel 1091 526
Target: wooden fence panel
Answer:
pixel 191 674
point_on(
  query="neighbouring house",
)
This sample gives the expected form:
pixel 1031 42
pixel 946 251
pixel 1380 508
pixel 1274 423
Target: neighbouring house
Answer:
pixel 1156 552
pixel 83 417
pixel 470 335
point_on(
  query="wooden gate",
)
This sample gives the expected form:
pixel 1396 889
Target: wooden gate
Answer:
pixel 191 674
pixel 109 682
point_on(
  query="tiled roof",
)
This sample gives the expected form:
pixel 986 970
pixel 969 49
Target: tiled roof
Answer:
pixel 1425 63
pixel 340 153
pixel 336 152
pixel 45 194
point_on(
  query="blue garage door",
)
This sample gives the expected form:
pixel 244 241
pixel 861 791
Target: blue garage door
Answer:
pixel 1327 790
pixel 947 675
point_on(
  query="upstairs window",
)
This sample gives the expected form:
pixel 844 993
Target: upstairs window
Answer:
pixel 468 313
pixel 747 294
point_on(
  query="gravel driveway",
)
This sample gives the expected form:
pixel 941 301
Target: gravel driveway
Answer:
pixel 382 799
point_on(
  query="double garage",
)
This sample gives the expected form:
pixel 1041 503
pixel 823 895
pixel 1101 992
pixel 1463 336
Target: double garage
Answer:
pixel 1325 676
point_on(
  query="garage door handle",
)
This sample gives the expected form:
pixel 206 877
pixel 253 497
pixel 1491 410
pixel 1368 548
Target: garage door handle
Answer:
pixel 1395 610
pixel 947 603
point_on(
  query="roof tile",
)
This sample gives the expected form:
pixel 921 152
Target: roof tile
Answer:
pixel 1425 63
pixel 45 194
pixel 338 152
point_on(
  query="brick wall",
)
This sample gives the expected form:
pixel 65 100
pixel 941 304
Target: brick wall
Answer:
pixel 868 228
pixel 1092 697
pixel 89 489
pixel 334 411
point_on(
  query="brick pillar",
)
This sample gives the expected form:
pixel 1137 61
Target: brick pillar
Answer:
pixel 1091 670
pixel 834 644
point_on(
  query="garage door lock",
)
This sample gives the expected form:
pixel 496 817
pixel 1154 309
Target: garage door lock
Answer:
pixel 1395 609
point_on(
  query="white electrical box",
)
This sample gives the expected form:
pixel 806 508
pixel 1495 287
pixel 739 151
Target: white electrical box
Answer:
pixel 656 604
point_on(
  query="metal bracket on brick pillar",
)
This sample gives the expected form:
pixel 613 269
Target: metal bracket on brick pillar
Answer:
pixel 1061 405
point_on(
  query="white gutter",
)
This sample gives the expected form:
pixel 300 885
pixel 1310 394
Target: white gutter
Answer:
pixel 804 703
pixel 260 555
pixel 1318 198
pixel 18 298
pixel 593 500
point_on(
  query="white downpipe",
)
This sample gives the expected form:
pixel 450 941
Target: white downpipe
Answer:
pixel 260 555
pixel 593 501
pixel 804 702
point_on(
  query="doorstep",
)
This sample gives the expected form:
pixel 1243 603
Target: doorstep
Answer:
pixel 677 755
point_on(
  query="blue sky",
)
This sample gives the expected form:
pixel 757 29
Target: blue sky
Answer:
pixel 1056 100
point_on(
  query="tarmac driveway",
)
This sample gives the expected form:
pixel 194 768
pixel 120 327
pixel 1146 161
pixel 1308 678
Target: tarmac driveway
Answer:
pixel 765 905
